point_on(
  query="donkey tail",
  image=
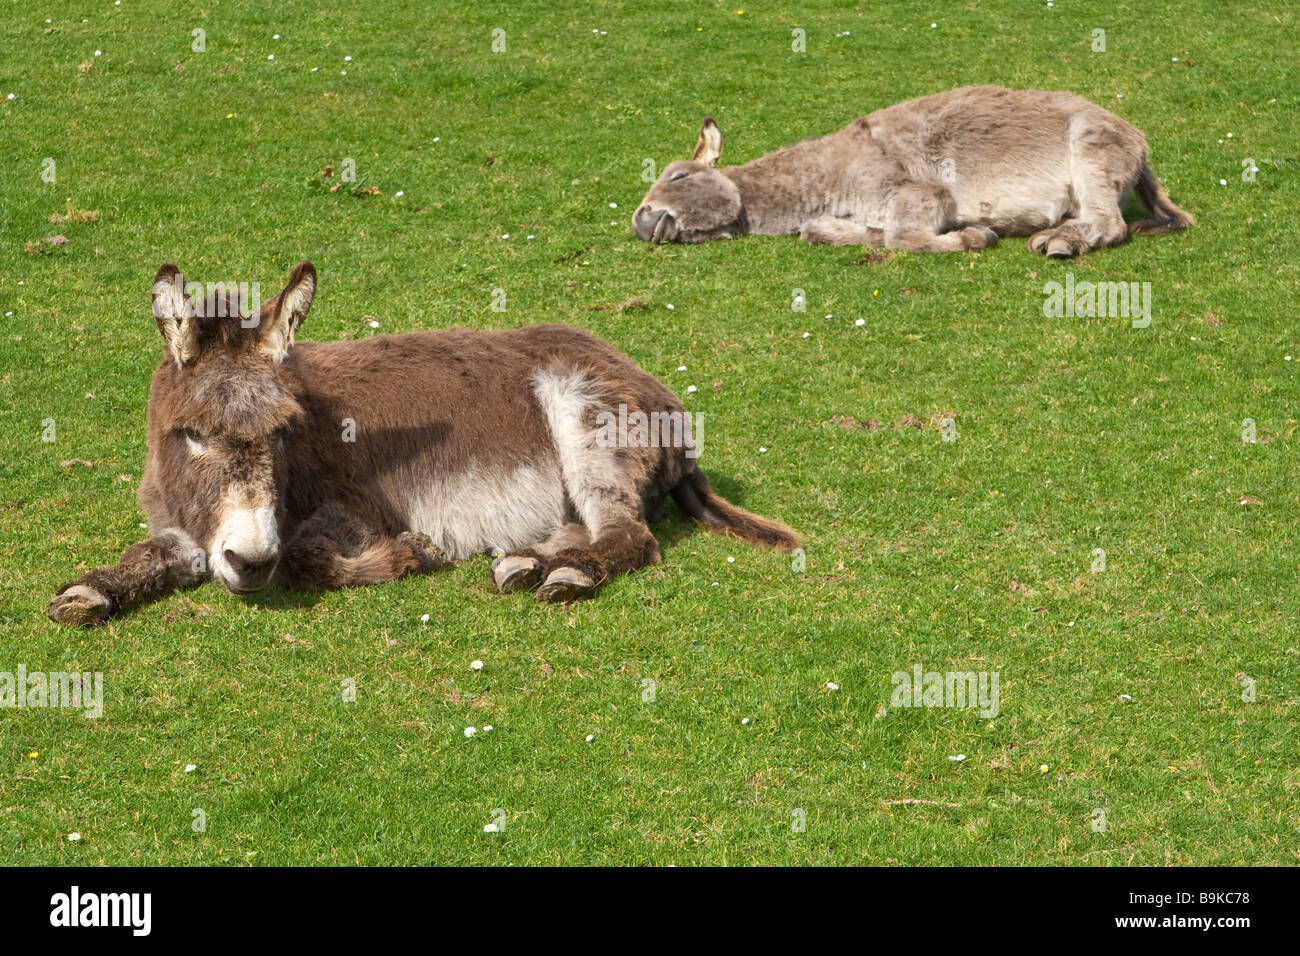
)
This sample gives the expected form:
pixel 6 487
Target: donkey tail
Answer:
pixel 695 498
pixel 1165 216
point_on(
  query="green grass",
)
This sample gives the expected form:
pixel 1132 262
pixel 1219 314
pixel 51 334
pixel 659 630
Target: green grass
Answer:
pixel 1073 434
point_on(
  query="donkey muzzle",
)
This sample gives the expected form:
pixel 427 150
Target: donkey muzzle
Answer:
pixel 248 575
pixel 655 225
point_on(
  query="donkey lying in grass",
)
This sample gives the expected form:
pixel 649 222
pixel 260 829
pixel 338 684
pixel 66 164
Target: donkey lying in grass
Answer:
pixel 941 173
pixel 328 465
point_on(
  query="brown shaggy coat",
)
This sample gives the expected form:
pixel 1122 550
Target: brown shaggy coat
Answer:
pixel 347 463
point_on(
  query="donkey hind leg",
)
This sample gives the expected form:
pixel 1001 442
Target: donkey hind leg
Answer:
pixel 603 485
pixel 148 570
pixel 840 232
pixel 521 569
pixel 570 564
pixel 1099 220
pixel 333 549
pixel 574 572
pixel 1100 224
pixel 923 218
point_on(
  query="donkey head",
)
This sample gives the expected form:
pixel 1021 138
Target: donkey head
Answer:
pixel 220 408
pixel 692 201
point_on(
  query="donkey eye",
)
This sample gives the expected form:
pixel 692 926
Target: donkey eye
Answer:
pixel 193 439
pixel 677 176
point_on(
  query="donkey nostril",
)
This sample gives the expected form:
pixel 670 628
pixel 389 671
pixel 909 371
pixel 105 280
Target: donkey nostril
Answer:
pixel 253 569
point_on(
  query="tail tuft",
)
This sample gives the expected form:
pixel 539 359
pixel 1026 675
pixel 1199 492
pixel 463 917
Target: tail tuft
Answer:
pixel 695 498
pixel 1165 216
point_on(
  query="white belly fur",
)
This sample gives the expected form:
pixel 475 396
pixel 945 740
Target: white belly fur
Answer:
pixel 466 514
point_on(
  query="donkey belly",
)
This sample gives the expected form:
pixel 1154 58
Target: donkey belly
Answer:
pixel 473 511
pixel 1015 207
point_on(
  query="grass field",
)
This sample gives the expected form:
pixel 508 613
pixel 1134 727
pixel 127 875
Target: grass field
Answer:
pixel 1161 691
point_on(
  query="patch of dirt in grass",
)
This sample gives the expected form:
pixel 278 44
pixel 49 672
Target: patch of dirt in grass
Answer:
pixel 49 242
pixel 849 422
pixel 933 423
pixel 349 187
pixel 74 215
pixel 572 256
pixel 874 257
pixel 453 695
pixel 765 780
pixel 938 418
pixel 631 305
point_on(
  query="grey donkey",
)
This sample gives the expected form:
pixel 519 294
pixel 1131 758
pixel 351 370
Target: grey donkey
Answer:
pixel 941 173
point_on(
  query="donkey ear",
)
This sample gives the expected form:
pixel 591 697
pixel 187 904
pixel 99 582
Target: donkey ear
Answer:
pixel 709 148
pixel 288 310
pixel 175 315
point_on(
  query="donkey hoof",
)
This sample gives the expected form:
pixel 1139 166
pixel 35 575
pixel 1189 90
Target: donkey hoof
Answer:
pixel 1038 242
pixel 1059 247
pixel 516 572
pixel 565 585
pixel 431 556
pixel 79 605
pixel 980 237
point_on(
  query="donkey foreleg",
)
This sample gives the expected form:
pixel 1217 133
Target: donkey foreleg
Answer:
pixel 147 571
pixel 923 218
pixel 840 232
pixel 970 238
pixel 334 550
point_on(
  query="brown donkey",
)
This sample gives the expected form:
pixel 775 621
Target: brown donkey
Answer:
pixel 328 465
pixel 941 173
